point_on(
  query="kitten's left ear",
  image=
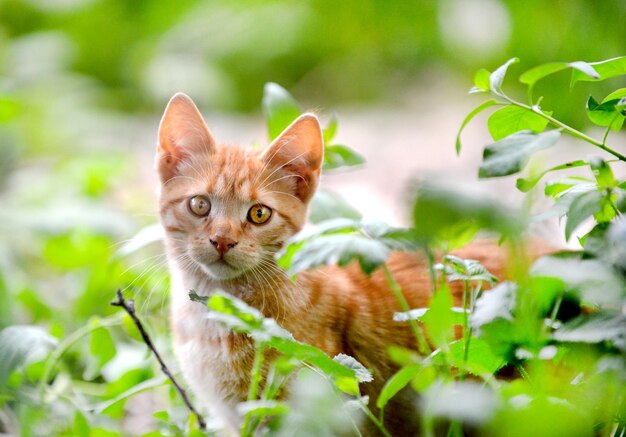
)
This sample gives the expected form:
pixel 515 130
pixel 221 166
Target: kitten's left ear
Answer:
pixel 299 150
pixel 182 134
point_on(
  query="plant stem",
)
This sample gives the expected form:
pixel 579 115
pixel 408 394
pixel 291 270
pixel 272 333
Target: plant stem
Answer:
pixel 129 307
pixel 376 422
pixel 570 130
pixel 422 344
pixel 255 380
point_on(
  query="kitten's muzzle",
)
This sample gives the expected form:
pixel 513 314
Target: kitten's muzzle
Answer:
pixel 222 244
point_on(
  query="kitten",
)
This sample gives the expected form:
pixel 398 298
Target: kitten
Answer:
pixel 226 211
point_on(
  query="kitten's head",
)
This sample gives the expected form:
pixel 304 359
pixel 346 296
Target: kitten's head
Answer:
pixel 227 210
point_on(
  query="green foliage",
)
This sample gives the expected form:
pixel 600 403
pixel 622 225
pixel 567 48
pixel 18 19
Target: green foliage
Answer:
pixel 556 329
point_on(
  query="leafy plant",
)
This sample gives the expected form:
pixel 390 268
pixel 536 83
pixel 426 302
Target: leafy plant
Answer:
pixel 542 353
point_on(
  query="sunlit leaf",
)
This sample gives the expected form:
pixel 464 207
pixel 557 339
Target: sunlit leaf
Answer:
pixel 480 359
pixel 360 371
pixel 605 69
pixel 102 348
pixel 331 129
pixel 327 205
pixel 18 345
pixel 468 402
pixel 437 210
pixel 397 382
pixel 440 318
pixel 615 95
pixel 602 172
pixel 279 107
pixel 531 76
pixel 497 77
pixel 510 154
pixel 582 207
pixel 595 281
pixel 262 408
pixel 339 249
pixel 336 156
pixel 480 108
pixel 459 269
pixel 595 328
pixel 605 114
pixel 498 303
pixel 526 184
pixel 481 79
pixel 512 119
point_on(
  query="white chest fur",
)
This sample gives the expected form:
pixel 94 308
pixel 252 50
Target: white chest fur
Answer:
pixel 214 362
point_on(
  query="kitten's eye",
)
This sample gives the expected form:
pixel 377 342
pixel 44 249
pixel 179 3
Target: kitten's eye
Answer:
pixel 259 214
pixel 199 205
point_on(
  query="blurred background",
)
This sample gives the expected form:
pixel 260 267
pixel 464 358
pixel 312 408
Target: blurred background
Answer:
pixel 83 84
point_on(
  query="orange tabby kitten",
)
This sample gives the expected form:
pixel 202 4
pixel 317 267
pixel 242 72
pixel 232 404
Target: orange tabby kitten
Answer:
pixel 226 211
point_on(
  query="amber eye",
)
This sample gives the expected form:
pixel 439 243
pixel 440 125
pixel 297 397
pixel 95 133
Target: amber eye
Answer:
pixel 259 214
pixel 199 205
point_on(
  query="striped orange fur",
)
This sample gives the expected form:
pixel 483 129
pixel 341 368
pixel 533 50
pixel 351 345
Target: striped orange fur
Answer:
pixel 339 310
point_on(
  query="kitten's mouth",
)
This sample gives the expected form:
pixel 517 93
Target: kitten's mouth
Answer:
pixel 221 269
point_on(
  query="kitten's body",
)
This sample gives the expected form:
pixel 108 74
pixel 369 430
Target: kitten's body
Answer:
pixel 337 310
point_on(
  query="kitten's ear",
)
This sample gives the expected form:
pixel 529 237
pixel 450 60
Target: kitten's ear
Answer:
pixel 299 150
pixel 182 133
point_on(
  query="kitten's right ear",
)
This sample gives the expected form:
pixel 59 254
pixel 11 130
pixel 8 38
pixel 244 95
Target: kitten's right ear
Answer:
pixel 182 133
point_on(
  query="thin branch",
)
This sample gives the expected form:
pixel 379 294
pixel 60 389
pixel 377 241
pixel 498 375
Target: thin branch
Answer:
pixel 129 307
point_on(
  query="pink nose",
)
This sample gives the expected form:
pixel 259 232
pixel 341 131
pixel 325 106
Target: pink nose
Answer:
pixel 222 244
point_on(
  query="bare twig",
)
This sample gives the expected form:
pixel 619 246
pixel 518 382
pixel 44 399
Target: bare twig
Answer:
pixel 129 307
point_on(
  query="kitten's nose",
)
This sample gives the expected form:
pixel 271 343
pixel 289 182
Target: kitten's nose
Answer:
pixel 222 244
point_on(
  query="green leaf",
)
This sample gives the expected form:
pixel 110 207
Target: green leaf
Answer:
pixel 531 76
pixel 340 241
pixel 510 154
pixel 593 280
pixel 440 318
pixel 263 408
pixel 81 425
pixel 497 304
pixel 605 114
pixel 526 184
pixel 240 317
pixel 477 110
pixel 327 205
pixel 459 269
pixel 337 156
pixel 362 374
pixel 279 107
pixel 602 172
pixel 497 77
pixel 345 371
pixel 18 345
pixel 595 328
pixel 480 358
pixel 467 402
pixel 438 210
pixel 481 80
pixel 458 315
pixel 345 378
pixel 102 348
pixel 605 69
pixel 511 119
pixel 615 95
pixel 339 249
pixel 397 382
pixel 582 207
pixel 331 129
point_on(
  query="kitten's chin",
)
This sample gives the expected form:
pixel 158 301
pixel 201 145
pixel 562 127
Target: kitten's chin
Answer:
pixel 221 271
